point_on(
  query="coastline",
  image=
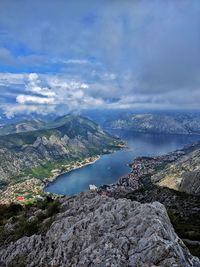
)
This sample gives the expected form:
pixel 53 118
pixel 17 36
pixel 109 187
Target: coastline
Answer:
pixel 33 188
pixel 89 161
pixel 75 166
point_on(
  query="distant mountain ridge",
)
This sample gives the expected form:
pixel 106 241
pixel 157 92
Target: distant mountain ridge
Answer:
pixel 156 123
pixel 23 126
pixel 34 125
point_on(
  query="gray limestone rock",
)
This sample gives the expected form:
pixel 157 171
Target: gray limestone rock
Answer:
pixel 94 230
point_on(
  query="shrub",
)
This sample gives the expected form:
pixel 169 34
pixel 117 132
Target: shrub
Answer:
pixel 53 208
pixel 26 228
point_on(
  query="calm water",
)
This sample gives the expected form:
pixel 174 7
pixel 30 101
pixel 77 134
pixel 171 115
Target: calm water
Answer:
pixel 110 167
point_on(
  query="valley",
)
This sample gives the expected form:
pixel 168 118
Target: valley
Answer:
pixel 64 160
pixel 35 157
pixel 99 133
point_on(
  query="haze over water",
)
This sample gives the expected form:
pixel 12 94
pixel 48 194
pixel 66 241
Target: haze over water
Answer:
pixel 110 167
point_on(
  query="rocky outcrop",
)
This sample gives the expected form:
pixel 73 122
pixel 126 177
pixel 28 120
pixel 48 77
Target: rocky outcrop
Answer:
pixel 94 230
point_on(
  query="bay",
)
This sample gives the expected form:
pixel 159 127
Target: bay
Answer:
pixel 110 167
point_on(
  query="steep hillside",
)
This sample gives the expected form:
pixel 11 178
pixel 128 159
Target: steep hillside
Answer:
pixel 183 174
pixel 35 154
pixel 94 230
pixel 156 123
pixel 34 125
pixel 23 126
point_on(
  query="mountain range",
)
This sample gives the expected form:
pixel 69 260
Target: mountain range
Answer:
pixel 26 154
pixel 162 123
pixel 120 224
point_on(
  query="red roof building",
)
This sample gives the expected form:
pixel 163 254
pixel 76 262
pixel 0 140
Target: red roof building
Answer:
pixel 20 198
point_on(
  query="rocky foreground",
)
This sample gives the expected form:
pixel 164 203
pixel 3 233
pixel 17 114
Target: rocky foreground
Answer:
pixel 95 230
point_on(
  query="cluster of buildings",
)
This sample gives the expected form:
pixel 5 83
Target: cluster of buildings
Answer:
pixel 141 167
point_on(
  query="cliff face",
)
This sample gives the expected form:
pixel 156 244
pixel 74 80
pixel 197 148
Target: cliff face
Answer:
pixel 94 230
pixel 69 138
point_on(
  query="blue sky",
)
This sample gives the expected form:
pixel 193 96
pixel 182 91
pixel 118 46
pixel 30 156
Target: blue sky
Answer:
pixel 62 56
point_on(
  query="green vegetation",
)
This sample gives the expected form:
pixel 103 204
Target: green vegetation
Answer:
pixel 182 208
pixel 26 228
pixel 17 221
pixel 41 172
pixel 6 212
pixel 28 158
pixel 52 208
pixel 45 170
pixel 187 229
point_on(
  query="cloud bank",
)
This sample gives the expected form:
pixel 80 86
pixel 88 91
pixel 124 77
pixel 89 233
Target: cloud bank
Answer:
pixel 66 56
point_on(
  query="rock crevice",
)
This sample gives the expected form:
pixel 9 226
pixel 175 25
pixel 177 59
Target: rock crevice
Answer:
pixel 94 230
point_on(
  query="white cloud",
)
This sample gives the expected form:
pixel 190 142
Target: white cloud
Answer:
pixel 26 99
pixel 34 86
pixel 154 45
pixel 11 111
pixel 33 77
pixel 47 93
pixel 41 91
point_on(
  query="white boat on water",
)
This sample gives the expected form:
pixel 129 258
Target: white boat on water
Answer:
pixel 92 187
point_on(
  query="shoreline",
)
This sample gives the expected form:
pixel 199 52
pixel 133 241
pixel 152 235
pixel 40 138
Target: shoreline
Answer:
pixel 72 168
pixel 37 186
pixel 153 133
pixel 33 188
pixel 91 159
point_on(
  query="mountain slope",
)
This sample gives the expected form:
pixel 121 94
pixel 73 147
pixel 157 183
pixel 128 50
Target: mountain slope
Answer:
pixel 157 123
pixel 23 126
pixel 70 139
pixel 34 125
pixel 183 174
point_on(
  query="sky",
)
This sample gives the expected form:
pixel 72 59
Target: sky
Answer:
pixel 64 56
